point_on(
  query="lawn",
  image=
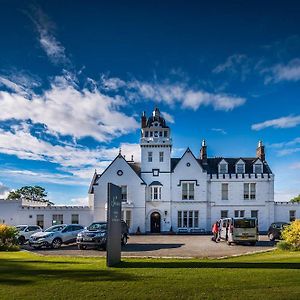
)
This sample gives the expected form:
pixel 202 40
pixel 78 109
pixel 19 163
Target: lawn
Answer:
pixel 272 275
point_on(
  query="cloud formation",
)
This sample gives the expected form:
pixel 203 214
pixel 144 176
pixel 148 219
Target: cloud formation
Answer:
pixel 283 72
pixel 4 191
pixel 283 122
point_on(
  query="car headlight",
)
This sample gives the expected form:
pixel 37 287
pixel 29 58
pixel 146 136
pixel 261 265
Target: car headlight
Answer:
pixel 79 235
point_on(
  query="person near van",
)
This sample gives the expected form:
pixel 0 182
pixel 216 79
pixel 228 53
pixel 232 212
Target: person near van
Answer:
pixel 215 231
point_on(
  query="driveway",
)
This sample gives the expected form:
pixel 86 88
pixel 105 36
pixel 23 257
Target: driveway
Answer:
pixel 168 246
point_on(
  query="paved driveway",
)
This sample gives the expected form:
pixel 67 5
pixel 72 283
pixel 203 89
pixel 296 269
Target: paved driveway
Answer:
pixel 168 246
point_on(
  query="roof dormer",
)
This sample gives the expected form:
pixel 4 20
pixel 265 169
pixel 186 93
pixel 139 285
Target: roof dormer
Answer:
pixel 240 167
pixel 223 166
pixel 258 167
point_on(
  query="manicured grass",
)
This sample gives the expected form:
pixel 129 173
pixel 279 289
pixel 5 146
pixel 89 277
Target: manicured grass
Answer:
pixel 272 275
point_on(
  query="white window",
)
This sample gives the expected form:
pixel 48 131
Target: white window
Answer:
pixel 257 168
pixel 155 193
pixel 150 156
pixel 223 168
pixel 57 219
pixel 239 213
pixel 254 214
pixel 292 215
pixel 128 218
pixel 249 191
pixel 161 156
pixel 75 219
pixel 224 191
pixel 40 220
pixel 188 219
pixel 240 168
pixel 124 193
pixel 188 191
pixel 224 214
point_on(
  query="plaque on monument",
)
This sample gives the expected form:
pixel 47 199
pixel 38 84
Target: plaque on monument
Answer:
pixel 113 247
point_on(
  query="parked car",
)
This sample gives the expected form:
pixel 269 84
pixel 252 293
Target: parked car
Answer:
pixel 275 229
pixel 25 231
pixel 55 236
pixel 96 236
pixel 239 230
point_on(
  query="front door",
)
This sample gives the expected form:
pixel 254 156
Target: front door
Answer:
pixel 155 222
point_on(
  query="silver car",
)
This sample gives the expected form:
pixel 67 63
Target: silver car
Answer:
pixel 55 236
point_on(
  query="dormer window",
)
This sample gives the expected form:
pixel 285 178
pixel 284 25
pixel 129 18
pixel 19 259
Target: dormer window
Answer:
pixel 258 168
pixel 240 167
pixel 223 167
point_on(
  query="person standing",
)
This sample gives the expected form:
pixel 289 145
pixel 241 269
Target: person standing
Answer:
pixel 215 231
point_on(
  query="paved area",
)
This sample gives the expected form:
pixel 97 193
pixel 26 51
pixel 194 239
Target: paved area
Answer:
pixel 168 246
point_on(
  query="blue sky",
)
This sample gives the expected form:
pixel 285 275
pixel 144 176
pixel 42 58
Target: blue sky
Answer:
pixel 75 77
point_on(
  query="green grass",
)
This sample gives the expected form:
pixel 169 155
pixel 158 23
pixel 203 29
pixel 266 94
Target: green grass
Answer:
pixel 272 275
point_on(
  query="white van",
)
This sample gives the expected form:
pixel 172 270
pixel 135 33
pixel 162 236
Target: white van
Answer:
pixel 239 230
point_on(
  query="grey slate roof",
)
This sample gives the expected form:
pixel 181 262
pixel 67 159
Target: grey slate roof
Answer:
pixel 211 167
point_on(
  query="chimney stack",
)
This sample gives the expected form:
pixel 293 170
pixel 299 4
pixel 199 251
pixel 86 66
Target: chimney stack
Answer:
pixel 260 151
pixel 203 152
pixel 143 120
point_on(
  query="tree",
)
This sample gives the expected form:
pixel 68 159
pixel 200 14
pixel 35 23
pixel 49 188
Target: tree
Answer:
pixel 296 199
pixel 33 193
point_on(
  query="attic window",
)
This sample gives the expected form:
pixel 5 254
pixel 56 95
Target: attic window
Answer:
pixel 257 168
pixel 240 168
pixel 223 168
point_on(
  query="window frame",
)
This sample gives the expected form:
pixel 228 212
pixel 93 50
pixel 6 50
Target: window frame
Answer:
pixel 189 192
pixel 225 190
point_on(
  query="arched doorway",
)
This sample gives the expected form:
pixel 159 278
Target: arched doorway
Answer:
pixel 155 222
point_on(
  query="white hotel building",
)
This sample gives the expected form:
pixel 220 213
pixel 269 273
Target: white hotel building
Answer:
pixel 163 194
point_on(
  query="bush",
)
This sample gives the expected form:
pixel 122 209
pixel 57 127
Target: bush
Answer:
pixel 291 235
pixel 8 238
pixel 282 245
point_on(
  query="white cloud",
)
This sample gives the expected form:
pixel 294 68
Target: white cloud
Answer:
pixel 45 27
pixel 168 117
pixel 33 177
pixel 4 191
pixel 295 165
pixel 179 93
pixel 84 201
pixel 231 63
pixel 283 122
pixel 220 130
pixel 283 72
pixel 66 110
pixel 289 151
pixel 74 159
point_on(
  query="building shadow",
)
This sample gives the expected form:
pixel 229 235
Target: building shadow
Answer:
pixel 138 247
pixel 207 265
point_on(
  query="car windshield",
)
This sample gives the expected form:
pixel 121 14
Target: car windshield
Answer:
pixel 21 228
pixel 55 228
pixel 244 223
pixel 97 226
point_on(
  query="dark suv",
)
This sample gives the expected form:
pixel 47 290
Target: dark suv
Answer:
pixel 274 232
pixel 96 235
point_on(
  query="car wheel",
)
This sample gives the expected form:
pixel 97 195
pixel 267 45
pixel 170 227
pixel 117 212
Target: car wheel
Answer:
pixel 271 237
pixel 124 240
pixel 81 247
pixel 21 240
pixel 56 243
pixel 228 243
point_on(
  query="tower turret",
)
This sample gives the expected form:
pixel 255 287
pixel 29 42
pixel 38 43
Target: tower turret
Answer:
pixel 260 151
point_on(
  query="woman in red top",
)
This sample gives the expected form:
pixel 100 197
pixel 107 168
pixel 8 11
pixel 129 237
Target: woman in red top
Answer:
pixel 215 231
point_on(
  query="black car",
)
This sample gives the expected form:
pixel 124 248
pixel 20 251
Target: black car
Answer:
pixel 96 236
pixel 274 232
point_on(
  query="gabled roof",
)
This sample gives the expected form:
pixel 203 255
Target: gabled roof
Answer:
pixel 175 161
pixel 134 166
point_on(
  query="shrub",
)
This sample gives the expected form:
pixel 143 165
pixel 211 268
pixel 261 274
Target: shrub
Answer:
pixel 8 238
pixel 291 235
pixel 282 245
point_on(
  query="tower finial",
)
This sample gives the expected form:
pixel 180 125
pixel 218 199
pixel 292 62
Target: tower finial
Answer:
pixel 120 151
